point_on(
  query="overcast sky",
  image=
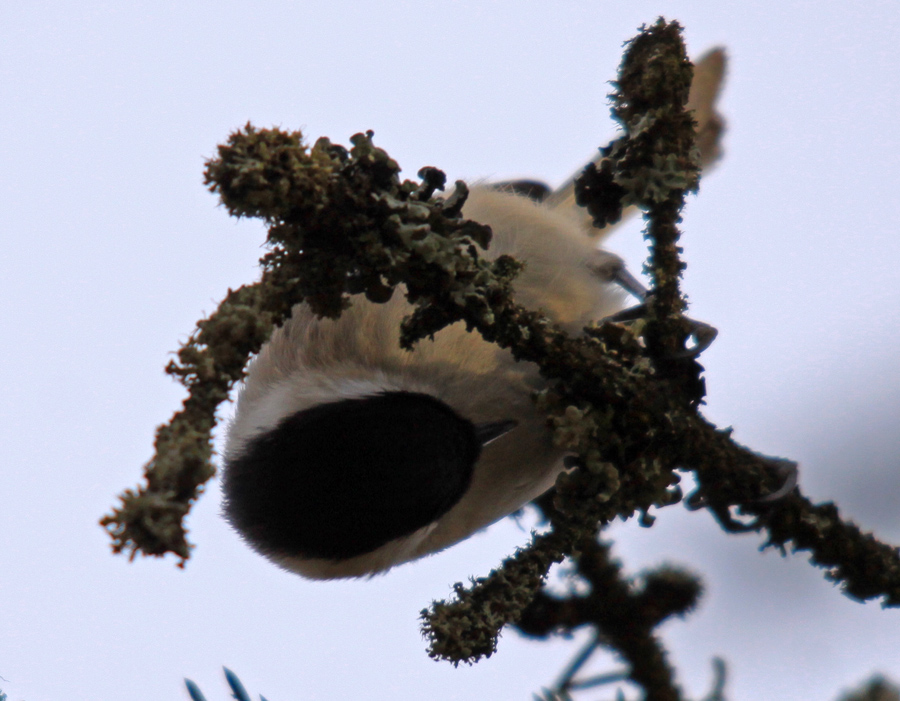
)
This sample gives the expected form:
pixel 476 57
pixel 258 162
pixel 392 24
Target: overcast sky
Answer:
pixel 112 249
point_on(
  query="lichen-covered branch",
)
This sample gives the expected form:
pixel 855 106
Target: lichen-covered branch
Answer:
pixel 628 409
pixel 623 434
pixel 623 615
pixel 340 223
pixel 726 471
pixel 621 397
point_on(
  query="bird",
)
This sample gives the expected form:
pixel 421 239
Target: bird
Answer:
pixel 348 455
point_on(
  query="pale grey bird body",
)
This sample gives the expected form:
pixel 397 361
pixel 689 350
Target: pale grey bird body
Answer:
pixel 348 455
pixel 312 361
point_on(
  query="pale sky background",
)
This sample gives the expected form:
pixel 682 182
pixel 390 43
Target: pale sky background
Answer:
pixel 112 249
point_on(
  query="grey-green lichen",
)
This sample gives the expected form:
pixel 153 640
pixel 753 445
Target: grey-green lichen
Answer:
pixel 653 165
pixel 623 613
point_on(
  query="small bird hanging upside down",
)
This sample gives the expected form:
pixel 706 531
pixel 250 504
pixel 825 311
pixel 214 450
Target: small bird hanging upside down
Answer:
pixel 348 455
